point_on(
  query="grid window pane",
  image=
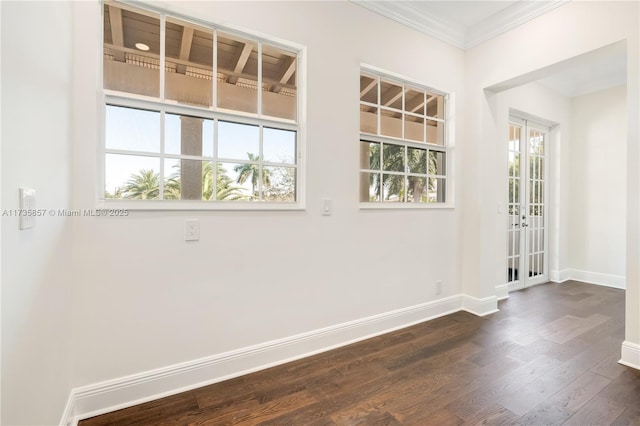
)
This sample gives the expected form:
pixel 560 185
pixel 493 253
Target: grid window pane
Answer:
pixel 437 163
pixel 279 184
pixel 391 94
pixel 370 186
pixel 188 135
pixel 131 59
pixel 189 63
pixel 237 74
pixel 416 161
pixel 414 128
pixel 238 141
pixel 393 158
pixel 417 189
pixel 369 88
pixel 132 129
pixel 368 119
pixel 279 146
pixel 370 155
pixel 132 177
pixel 393 188
pixel 278 82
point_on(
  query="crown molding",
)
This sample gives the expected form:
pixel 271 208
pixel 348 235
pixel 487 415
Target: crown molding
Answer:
pixel 508 19
pixel 453 33
pixel 404 13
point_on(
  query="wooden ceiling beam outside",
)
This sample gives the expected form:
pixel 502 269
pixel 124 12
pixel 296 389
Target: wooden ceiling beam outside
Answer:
pixel 185 48
pixel 224 71
pixel 421 103
pixel 117 31
pixel 241 62
pixel 287 70
pixel 368 88
pixel 392 97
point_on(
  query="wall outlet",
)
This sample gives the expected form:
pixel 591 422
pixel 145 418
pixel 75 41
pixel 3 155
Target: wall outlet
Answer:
pixel 191 230
pixel 438 288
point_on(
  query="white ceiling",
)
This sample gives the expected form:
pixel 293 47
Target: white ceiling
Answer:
pixel 596 70
pixel 466 24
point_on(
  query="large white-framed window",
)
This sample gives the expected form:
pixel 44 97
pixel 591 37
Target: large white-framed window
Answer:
pixel 198 116
pixel 403 142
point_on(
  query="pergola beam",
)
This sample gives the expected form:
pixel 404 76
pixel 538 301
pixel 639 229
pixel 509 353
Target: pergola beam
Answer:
pixel 367 89
pixel 287 70
pixel 185 48
pixel 117 31
pixel 241 62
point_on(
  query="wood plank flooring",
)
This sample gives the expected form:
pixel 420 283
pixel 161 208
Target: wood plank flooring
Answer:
pixel 549 357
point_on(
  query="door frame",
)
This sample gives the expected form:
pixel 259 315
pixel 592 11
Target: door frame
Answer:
pixel 524 280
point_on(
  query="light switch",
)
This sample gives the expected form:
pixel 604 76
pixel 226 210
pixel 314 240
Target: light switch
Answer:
pixel 27 207
pixel 327 207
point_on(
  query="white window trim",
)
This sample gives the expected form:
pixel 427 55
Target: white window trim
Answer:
pixel 141 101
pixel 448 148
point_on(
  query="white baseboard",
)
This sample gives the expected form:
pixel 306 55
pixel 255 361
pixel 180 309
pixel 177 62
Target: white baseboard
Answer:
pixel 607 280
pixel 68 415
pixel 100 398
pixel 480 307
pixel 502 291
pixel 559 276
pixel 630 355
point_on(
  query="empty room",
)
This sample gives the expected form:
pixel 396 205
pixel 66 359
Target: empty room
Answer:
pixel 320 212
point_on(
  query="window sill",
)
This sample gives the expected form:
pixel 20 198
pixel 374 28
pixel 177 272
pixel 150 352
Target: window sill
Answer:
pixel 170 205
pixel 405 206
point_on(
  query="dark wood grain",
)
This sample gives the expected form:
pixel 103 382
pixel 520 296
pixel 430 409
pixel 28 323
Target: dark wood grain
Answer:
pixel 549 357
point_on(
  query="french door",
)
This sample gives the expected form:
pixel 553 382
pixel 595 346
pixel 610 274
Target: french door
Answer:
pixel 527 204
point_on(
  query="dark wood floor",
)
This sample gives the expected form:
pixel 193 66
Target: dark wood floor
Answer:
pixel 549 357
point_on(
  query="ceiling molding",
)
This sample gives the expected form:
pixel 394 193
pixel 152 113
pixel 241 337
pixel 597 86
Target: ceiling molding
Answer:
pixel 404 13
pixel 454 33
pixel 507 19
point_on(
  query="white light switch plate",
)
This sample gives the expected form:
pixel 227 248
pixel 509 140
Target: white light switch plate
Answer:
pixel 327 207
pixel 27 203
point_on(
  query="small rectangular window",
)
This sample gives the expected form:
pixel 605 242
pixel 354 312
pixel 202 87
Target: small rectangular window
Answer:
pixel 194 112
pixel 403 151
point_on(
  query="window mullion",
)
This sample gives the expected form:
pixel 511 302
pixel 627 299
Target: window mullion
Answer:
pixel 163 58
pixel 214 194
pixel 214 72
pixel 162 154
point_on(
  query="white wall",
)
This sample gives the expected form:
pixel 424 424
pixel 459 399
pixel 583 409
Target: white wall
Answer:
pixel 522 55
pixel 145 299
pixel 598 185
pixel 36 263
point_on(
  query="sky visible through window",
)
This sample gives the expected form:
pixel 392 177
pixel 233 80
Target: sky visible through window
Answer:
pixel 138 130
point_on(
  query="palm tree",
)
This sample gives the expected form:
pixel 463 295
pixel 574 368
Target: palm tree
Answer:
pixel 224 188
pixel 144 185
pixel 252 172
